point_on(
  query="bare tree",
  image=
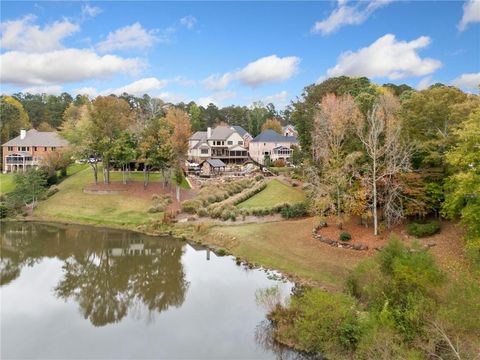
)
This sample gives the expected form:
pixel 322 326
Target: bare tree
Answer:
pixel 388 156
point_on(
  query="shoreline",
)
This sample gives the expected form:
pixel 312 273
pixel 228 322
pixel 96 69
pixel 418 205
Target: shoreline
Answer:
pixel 185 236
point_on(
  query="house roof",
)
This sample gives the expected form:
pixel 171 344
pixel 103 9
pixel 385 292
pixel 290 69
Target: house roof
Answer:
pixel 221 133
pixel 216 163
pixel 38 138
pixel 272 136
pixel 199 135
pixel 21 153
pixel 240 130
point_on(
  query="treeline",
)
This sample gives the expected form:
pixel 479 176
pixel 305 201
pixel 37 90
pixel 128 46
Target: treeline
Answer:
pixel 387 153
pixel 46 112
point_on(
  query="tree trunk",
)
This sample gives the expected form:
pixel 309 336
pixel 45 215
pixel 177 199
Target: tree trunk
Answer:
pixel 145 183
pixel 375 219
pixel 340 222
pixel 95 172
pixel 178 193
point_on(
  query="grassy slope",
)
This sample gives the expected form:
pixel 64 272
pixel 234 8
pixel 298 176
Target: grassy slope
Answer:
pixel 72 204
pixel 275 193
pixel 6 183
pixel 289 247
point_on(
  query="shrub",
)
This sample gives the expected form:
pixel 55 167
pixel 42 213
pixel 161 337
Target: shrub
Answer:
pixel 294 211
pixel 52 190
pixel 221 252
pixel 423 229
pixel 259 177
pixel 319 322
pixel 345 236
pixel 279 163
pixel 155 197
pixel 3 210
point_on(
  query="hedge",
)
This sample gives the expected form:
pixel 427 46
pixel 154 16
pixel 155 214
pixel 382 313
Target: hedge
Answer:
pixel 423 229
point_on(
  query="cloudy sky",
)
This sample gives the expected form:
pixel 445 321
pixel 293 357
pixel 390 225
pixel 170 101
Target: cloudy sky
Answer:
pixel 234 52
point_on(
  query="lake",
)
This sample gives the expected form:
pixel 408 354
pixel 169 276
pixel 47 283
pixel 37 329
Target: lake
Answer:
pixel 84 292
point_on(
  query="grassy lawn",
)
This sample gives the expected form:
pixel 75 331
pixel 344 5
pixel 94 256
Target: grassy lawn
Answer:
pixel 138 176
pixel 72 204
pixel 6 183
pixel 288 246
pixel 275 193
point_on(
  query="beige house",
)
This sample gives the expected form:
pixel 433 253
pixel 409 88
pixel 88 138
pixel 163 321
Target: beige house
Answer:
pixel 271 145
pixel 222 143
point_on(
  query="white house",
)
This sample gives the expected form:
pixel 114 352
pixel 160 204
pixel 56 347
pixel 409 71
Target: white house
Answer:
pixel 223 143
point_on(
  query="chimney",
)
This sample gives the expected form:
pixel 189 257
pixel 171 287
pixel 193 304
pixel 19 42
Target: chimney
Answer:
pixel 23 134
pixel 209 132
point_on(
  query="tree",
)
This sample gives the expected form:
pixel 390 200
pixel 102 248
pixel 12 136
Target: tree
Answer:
pixel 13 118
pixel 272 124
pixel 180 130
pixel 58 160
pixel 196 117
pixel 305 108
pixel 463 187
pixel 257 115
pixel 110 116
pixel 29 187
pixel 335 167
pixel 85 141
pixel 387 155
pixel 124 151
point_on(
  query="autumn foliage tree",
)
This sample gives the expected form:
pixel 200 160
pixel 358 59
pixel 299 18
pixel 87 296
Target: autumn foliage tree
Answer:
pixel 272 124
pixel 335 168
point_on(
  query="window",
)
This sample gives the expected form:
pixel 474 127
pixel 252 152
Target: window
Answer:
pixel 53 148
pixel 223 142
pixel 229 142
pixel 45 148
pixel 34 148
pixel 240 143
pixel 23 148
pixel 204 151
pixel 10 148
pixel 28 148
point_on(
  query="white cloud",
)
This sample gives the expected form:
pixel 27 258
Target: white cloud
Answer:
pixel 467 81
pixel 62 66
pixel 387 57
pixel 264 70
pixel 90 91
pixel 424 83
pixel 24 35
pixel 279 99
pixel 48 89
pixel 471 14
pixel 129 37
pixel 188 21
pixel 217 98
pixel 90 11
pixel 139 87
pixel 173 98
pixel 218 82
pixel 346 14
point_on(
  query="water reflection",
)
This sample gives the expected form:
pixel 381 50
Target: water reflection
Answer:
pixel 107 272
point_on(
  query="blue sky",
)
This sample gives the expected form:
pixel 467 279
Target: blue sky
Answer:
pixel 234 52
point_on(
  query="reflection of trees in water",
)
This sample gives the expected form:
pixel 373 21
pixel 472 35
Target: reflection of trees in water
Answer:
pixel 106 272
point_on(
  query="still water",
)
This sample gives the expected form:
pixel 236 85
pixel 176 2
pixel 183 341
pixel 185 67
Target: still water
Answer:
pixel 82 292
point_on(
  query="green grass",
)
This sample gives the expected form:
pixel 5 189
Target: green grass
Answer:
pixel 275 193
pixel 6 183
pixel 71 204
pixel 138 176
pixel 288 246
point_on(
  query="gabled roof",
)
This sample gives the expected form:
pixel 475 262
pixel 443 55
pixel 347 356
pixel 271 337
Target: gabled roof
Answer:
pixel 199 135
pixel 216 163
pixel 240 130
pixel 272 136
pixel 37 138
pixel 221 133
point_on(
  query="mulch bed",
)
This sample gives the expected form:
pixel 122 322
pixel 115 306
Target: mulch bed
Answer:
pixel 362 237
pixel 136 189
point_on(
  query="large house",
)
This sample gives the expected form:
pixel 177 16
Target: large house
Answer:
pixel 223 143
pixel 289 130
pixel 270 145
pixel 28 149
pixel 244 134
